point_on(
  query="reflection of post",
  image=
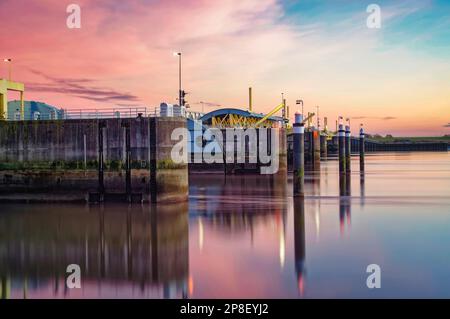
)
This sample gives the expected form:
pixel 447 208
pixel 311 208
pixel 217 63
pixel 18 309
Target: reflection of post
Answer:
pixel 341 216
pixel 4 287
pixel 362 188
pixel 299 241
pixel 348 183
pixel 129 244
pixel 299 155
pixel 344 213
pixel 102 242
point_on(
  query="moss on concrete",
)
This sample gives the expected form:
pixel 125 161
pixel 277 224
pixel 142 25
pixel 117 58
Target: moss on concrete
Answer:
pixel 113 165
pixel 169 164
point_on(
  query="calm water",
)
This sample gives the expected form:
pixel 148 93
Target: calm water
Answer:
pixel 245 237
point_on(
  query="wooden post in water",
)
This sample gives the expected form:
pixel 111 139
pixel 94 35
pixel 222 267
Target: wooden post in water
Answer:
pixel 299 155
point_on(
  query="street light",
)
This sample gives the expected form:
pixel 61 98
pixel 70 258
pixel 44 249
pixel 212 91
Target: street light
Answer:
pixel 298 102
pixel 180 101
pixel 9 66
pixel 318 119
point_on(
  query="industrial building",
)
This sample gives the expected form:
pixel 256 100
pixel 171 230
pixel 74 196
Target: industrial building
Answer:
pixel 34 111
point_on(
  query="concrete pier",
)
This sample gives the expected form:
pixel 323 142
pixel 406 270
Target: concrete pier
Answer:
pixel 96 160
pixel 168 181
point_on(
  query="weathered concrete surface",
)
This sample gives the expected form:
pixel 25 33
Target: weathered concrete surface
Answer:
pixel 169 181
pixel 282 153
pixel 59 160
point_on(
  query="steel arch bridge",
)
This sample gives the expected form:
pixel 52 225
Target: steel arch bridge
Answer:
pixel 236 118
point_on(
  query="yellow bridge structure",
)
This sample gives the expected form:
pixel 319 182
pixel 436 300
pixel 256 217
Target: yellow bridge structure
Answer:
pixel 5 86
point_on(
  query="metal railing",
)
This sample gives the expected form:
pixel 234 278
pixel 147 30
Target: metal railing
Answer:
pixel 102 113
pixel 119 112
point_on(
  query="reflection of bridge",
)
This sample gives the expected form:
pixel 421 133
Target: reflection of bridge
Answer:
pixel 114 246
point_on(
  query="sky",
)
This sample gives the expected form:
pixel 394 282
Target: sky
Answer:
pixel 395 79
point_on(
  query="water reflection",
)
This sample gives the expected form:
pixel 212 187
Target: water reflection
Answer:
pixel 299 242
pixel 245 237
pixel 362 188
pixel 144 250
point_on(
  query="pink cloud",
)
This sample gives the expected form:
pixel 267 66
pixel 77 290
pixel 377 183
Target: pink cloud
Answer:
pixel 125 47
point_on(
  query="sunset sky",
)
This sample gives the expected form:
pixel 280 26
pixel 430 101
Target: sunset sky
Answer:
pixel 395 79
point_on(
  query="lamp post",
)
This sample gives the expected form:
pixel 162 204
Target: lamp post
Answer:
pixel 179 78
pixel 203 107
pixel 318 119
pixel 9 67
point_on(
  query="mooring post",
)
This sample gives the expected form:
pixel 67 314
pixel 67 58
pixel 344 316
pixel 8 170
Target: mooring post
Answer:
pixel 361 149
pixel 341 149
pixel 348 149
pixel 323 146
pixel 316 149
pixel 101 185
pixel 299 155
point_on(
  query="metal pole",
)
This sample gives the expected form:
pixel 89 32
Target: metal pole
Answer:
pixel 299 155
pixel 179 80
pixel 250 106
pixel 318 119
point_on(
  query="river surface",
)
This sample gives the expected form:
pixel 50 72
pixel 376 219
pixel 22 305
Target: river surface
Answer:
pixel 246 237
